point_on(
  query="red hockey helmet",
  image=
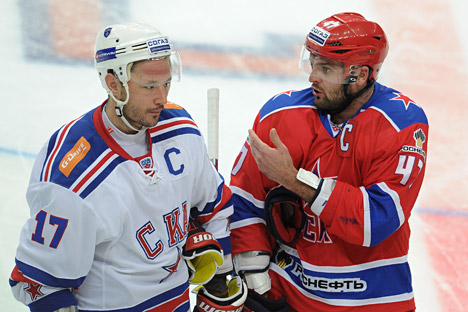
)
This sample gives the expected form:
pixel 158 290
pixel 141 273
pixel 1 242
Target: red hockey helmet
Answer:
pixel 350 39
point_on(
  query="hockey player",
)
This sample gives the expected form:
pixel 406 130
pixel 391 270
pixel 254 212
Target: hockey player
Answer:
pixel 112 194
pixel 324 187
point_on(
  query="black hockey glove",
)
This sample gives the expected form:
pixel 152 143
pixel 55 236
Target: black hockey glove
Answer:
pixel 284 215
pixel 258 303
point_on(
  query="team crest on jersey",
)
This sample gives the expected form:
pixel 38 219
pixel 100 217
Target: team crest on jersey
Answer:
pixel 420 138
pixel 146 163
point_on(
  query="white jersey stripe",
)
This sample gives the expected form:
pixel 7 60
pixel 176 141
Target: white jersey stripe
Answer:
pixel 367 218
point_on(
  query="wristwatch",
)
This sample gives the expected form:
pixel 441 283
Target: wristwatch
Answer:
pixel 308 178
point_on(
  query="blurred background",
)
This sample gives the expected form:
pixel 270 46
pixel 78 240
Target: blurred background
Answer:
pixel 249 50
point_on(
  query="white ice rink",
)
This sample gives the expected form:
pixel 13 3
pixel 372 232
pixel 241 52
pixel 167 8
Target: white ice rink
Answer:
pixel 40 91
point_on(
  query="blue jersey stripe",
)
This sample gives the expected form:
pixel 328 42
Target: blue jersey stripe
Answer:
pixel 172 294
pixel 102 176
pixel 173 133
pixel 245 209
pixel 384 214
pixel 47 279
pixel 355 285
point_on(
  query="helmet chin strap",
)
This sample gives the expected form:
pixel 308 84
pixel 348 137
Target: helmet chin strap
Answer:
pixel 119 109
pixel 351 97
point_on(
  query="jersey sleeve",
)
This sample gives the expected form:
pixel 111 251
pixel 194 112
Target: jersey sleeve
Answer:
pixel 56 246
pixel 368 214
pixel 213 204
pixel 250 186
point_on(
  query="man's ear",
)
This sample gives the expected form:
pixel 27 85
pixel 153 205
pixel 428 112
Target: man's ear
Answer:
pixel 113 84
pixel 364 74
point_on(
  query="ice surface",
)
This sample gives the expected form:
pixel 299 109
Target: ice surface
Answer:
pixel 248 49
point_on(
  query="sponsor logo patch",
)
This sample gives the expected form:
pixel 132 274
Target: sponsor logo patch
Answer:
pixel 319 35
pixel 419 138
pixel 157 45
pixel 172 105
pixel 74 156
pixel 105 54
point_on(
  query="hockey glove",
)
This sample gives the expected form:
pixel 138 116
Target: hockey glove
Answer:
pixel 253 267
pixel 284 215
pixel 202 253
pixel 259 303
pixel 234 302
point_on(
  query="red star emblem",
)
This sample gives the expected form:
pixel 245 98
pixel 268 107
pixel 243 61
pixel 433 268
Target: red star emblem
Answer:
pixel 406 100
pixel 34 291
pixel 288 93
pixel 173 267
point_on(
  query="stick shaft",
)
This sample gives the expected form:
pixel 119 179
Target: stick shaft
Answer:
pixel 213 125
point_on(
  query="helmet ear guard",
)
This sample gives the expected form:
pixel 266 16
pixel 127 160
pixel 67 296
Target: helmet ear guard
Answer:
pixel 284 215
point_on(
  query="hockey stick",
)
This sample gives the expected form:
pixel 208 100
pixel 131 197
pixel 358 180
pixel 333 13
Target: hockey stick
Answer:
pixel 213 125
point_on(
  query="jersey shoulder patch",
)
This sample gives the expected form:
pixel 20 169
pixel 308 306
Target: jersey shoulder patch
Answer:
pixel 75 152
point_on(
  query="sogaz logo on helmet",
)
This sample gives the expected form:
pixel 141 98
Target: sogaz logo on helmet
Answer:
pixel 319 35
pixel 157 45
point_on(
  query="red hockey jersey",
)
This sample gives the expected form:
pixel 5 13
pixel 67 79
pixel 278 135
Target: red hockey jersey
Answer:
pixel 352 253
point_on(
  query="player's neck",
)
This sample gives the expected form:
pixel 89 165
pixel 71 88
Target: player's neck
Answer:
pixel 351 110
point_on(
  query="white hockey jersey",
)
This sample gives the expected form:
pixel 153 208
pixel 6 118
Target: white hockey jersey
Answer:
pixel 106 229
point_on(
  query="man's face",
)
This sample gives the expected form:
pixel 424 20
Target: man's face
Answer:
pixel 327 78
pixel 148 87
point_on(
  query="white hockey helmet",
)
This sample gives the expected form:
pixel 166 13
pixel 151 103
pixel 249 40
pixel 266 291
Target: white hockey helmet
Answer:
pixel 119 46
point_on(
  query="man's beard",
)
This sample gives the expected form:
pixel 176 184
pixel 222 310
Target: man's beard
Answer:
pixel 135 117
pixel 336 105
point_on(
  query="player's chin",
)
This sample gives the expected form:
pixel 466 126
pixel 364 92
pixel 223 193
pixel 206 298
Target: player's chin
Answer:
pixel 319 101
pixel 151 122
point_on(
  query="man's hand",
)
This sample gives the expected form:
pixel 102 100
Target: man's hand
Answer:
pixel 275 163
